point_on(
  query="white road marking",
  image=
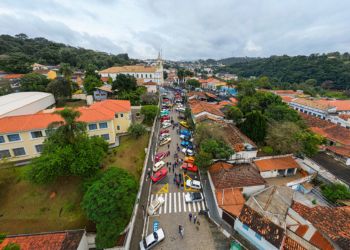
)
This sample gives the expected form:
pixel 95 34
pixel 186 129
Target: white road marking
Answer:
pixel 169 203
pixel 165 201
pixel 175 202
pixel 183 200
pixel 179 202
pixel 194 207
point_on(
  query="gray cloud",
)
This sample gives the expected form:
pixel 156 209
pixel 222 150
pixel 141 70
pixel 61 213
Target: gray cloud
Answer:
pixel 185 29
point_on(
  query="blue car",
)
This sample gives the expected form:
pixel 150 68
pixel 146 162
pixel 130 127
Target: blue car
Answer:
pixel 186 143
pixel 185 132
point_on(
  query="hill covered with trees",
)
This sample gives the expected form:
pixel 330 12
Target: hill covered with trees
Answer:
pixel 331 71
pixel 18 52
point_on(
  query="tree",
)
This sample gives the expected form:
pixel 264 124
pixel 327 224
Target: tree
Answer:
pixel 33 82
pixel 5 89
pixel 165 75
pixel 246 88
pixel 254 126
pixel 91 83
pixel 109 202
pixel 234 113
pixel 193 83
pixel 66 71
pixel 149 99
pixel 310 142
pixel 16 63
pixel 60 88
pixel 124 83
pixel 281 112
pixel 208 131
pixel 248 103
pixel 181 74
pixel 335 191
pixel 12 246
pixel 149 112
pixel 137 130
pixel 217 148
pixel 203 159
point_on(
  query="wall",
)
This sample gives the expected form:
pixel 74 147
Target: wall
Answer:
pixel 123 122
pixel 269 174
pixel 250 236
pixel 83 245
pixel 252 189
pixel 244 155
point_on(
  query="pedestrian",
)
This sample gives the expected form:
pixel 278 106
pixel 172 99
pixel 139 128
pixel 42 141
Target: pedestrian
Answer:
pixel 175 175
pixel 168 146
pixel 194 219
pixel 182 232
pixel 198 223
pixel 190 216
pixel 173 169
pixel 175 180
pixel 180 229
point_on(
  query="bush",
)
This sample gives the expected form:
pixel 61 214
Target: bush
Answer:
pixel 267 150
pixel 336 191
pixel 149 112
pixel 137 130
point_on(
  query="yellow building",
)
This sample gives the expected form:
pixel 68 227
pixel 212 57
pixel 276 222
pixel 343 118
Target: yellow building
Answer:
pixel 51 75
pixel 22 137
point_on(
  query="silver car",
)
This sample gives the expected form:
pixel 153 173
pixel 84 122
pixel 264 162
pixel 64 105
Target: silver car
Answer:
pixel 151 240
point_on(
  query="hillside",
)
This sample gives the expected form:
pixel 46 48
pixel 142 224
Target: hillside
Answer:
pixel 18 52
pixel 331 69
pixel 233 60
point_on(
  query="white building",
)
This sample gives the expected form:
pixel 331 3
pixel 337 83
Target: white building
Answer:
pixel 283 165
pixel 25 103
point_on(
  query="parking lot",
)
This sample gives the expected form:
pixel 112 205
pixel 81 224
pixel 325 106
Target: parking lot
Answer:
pixel 175 211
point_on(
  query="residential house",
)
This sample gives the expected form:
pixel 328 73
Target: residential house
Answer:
pixel 103 92
pixel 22 136
pixel 67 240
pixel 14 80
pixel 152 87
pixel 50 74
pixel 204 111
pixel 262 220
pixel 211 83
pixel 275 166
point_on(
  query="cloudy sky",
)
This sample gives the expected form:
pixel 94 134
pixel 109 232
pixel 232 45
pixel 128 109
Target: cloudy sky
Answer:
pixel 185 29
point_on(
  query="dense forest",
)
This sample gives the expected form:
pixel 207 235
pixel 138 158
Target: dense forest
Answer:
pixel 18 52
pixel 332 70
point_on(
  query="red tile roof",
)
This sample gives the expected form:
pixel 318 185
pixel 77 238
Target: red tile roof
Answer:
pixel 332 222
pixel 231 200
pixel 13 76
pixel 276 163
pixel 200 106
pixel 290 244
pixel 236 138
pixel 104 79
pixel 340 150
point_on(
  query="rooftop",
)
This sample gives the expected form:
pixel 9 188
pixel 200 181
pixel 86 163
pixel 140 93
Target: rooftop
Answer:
pixel 276 163
pixel 236 138
pixel 131 69
pixel 340 150
pixel 13 76
pixel 200 106
pixel 226 175
pixel 231 200
pixel 317 104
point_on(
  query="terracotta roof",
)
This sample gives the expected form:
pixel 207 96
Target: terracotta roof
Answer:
pixel 150 83
pixel 225 175
pixel 231 200
pixel 314 103
pixel 133 68
pixel 42 71
pixel 68 240
pixel 287 99
pixel 106 87
pixel 340 150
pixel 101 111
pixel 236 138
pixel 290 244
pixel 13 76
pixel 276 163
pixel 313 121
pixel 200 106
pixel 262 225
pixel 341 105
pixel 104 79
pixel 210 95
pixel 344 116
pixel 332 222
pixel 234 100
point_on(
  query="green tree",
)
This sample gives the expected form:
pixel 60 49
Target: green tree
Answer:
pixel 246 88
pixel 165 75
pixel 137 130
pixel 193 83
pixel 281 112
pixel 109 202
pixel 203 159
pixel 255 126
pixel 16 63
pixel 60 88
pixel 335 191
pixel 5 89
pixel 234 113
pixel 248 103
pixel 149 99
pixel 12 246
pixel 91 83
pixel 217 148
pixel 310 142
pixel 66 71
pixel 124 83
pixel 33 82
pixel 149 112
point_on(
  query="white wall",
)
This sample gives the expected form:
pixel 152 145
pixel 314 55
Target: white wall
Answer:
pixel 269 174
pixel 244 155
pixel 83 245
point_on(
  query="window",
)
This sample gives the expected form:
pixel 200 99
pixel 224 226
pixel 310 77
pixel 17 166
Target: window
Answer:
pixel 121 115
pixel 258 236
pixel 105 136
pixel 137 75
pixel 2 139
pixel 92 126
pixel 116 115
pixel 14 137
pixel 245 227
pixel 19 151
pixel 141 75
pixel 39 148
pixel 103 125
pixel 118 127
pixel 150 76
pixel 146 76
pixel 5 153
pixel 36 134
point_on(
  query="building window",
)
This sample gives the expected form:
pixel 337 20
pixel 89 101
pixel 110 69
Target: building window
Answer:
pixel 121 115
pixel 14 137
pixel 146 76
pixel 137 75
pixel 19 151
pixel 116 115
pixel 2 139
pixel 5 154
pixel 92 126
pixel 150 76
pixel 141 75
pixel 118 127
pixel 39 148
pixel 36 134
pixel 245 227
pixel 258 236
pixel 103 125
pixel 105 136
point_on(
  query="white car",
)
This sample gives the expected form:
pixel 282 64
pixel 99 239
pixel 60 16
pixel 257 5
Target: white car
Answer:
pixel 166 124
pixel 158 166
pixel 155 205
pixel 181 109
pixel 165 141
pixel 193 197
pixel 193 184
pixel 152 239
pixel 164 136
pixel 188 151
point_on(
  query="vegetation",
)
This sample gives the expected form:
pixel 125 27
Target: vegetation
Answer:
pixel 255 126
pixel 34 82
pixel 124 83
pixel 91 83
pixel 12 246
pixel 106 203
pixel 149 112
pixel 137 130
pixel 60 88
pixel 335 192
pixel 149 99
pixel 235 114
pixel 193 83
pixel 134 96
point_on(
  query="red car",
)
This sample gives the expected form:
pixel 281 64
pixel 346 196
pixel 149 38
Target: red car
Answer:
pixel 160 156
pixel 165 131
pixel 159 175
pixel 189 167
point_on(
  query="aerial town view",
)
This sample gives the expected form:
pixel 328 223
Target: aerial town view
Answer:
pixel 174 125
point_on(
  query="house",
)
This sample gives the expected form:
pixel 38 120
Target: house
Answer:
pixel 22 136
pixel 276 166
pixel 204 110
pixel 67 240
pixel 262 220
pixel 103 92
pixel 13 79
pixel 150 86
pixel 50 74
pixel 322 227
pixel 211 83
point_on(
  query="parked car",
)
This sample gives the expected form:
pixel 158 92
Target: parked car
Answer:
pixel 159 156
pixel 193 184
pixel 164 118
pixel 185 137
pixel 193 197
pixel 166 124
pixel 155 205
pixel 189 167
pixel 163 136
pixel 165 131
pixel 164 113
pixel 159 175
pixel 189 159
pixel 188 152
pixel 152 239
pixel 158 166
pixel 184 124
pixel 165 141
pixel 186 144
pixel 180 109
pixel 185 132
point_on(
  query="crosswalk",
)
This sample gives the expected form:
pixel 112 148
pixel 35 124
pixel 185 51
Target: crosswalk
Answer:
pixel 175 203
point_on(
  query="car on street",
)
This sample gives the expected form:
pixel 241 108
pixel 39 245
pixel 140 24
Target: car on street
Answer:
pixel 166 124
pixel 193 197
pixel 184 124
pixel 165 141
pixel 155 205
pixel 164 113
pixel 186 144
pixel 189 167
pixel 189 159
pixel 165 131
pixel 163 136
pixel 159 156
pixel 158 166
pixel 153 239
pixel 185 132
pixel 188 152
pixel 164 118
pixel 185 137
pixel 159 175
pixel 180 109
pixel 193 184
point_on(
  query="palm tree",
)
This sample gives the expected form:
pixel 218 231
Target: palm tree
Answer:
pixel 68 129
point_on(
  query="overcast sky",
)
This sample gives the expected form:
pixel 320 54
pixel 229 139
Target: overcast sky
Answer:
pixel 185 29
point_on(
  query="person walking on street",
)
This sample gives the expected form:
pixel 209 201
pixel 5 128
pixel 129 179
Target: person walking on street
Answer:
pixel 182 232
pixel 168 146
pixel 190 217
pixel 173 169
pixel 194 219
